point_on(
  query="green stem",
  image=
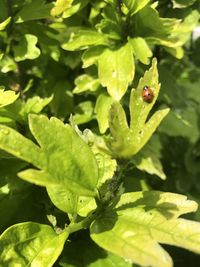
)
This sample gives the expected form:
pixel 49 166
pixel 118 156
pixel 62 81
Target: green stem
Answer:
pixel 84 224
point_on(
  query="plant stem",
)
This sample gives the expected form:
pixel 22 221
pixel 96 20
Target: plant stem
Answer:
pixel 84 224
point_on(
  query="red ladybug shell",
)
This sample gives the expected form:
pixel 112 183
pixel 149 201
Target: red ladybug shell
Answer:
pixel 147 94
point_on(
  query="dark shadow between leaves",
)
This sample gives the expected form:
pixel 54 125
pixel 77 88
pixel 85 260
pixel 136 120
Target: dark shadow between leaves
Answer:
pixel 81 253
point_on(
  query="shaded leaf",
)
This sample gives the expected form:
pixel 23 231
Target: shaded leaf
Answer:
pixel 182 3
pixel 83 38
pixel 84 112
pixel 91 55
pixel 148 160
pixel 26 49
pixel 37 9
pixel 184 122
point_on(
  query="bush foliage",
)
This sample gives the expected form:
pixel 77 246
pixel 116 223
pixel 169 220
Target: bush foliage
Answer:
pixel 92 173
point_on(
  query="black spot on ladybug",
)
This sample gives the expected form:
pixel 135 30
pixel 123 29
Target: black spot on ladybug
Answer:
pixel 147 94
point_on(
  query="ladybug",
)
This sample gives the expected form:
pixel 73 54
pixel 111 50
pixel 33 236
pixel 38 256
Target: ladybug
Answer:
pixel 147 94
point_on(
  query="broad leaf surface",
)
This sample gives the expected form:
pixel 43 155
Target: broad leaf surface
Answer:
pixel 127 141
pixel 30 244
pixel 69 202
pixel 59 159
pixel 116 70
pixel 140 221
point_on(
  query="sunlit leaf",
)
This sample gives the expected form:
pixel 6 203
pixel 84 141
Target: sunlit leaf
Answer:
pixel 4 23
pixel 7 97
pixel 116 70
pixel 60 7
pixel 59 159
pixel 127 141
pixel 103 103
pixel 140 49
pixel 31 243
pixel 143 219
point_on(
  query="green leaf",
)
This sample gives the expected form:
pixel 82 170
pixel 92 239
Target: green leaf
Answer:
pixel 83 38
pixel 91 55
pixel 141 220
pixel 133 6
pixel 184 122
pixel 177 52
pixel 30 244
pixel 7 97
pixel 60 7
pixel 4 23
pixel 182 3
pixel 157 30
pixel 140 49
pixel 7 64
pixel 89 255
pixel 106 164
pixel 116 70
pixel 76 6
pixel 184 29
pixel 62 102
pixel 127 141
pixel 26 49
pixel 69 202
pixel 59 159
pixel 34 105
pixel 84 112
pixel 84 83
pixel 103 103
pixel 37 9
pixel 148 159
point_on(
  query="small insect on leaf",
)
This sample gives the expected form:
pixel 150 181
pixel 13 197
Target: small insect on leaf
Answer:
pixel 147 94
